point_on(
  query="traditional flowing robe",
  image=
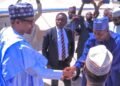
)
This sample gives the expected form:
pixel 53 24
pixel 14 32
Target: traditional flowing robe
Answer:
pixel 21 64
pixel 113 45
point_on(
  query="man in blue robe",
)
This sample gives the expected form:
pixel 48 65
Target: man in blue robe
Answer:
pixel 2 82
pixel 112 41
pixel 21 64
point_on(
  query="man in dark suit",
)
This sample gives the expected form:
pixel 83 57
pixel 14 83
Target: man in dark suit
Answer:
pixel 59 55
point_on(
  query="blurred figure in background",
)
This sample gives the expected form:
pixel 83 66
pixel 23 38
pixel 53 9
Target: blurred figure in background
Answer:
pixel 108 13
pixel 71 14
pixel 89 22
pixel 74 20
pixel 36 36
pixel 116 20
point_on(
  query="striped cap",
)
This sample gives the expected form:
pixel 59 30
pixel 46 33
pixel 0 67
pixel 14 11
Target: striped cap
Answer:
pixel 21 10
pixel 100 23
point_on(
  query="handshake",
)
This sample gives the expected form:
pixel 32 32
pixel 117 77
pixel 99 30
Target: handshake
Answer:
pixel 69 73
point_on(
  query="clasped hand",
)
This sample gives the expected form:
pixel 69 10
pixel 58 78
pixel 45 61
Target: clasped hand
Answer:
pixel 68 73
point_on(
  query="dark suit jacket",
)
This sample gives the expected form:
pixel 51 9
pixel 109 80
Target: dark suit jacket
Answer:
pixel 50 49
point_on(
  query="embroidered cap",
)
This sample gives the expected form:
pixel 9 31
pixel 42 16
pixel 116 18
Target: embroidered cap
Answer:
pixel 99 60
pixel 116 12
pixel 21 10
pixel 100 23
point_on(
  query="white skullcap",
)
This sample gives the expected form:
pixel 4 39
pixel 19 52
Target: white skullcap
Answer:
pixel 116 12
pixel 99 60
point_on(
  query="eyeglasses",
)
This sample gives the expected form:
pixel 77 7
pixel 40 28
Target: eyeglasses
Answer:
pixel 27 20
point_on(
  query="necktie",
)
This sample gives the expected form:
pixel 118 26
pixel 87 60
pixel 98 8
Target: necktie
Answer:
pixel 63 45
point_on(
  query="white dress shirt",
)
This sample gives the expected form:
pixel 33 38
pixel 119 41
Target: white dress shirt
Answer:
pixel 60 45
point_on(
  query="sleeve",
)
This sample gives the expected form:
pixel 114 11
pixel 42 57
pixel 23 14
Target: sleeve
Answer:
pixel 35 64
pixel 45 73
pixel 80 62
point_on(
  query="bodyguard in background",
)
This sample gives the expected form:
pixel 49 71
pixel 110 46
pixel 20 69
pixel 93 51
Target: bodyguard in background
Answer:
pixel 58 46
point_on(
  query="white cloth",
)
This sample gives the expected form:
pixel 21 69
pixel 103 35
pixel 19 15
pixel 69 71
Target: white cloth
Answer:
pixel 111 26
pixel 99 60
pixel 114 28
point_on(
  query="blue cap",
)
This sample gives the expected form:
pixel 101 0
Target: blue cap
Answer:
pixel 100 23
pixel 21 10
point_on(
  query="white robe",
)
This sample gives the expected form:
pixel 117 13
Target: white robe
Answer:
pixel 114 28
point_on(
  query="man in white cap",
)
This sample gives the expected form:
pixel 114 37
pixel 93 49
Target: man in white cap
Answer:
pixel 98 65
pixel 116 20
pixel 102 35
pixel 21 64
